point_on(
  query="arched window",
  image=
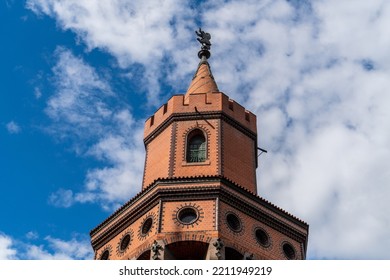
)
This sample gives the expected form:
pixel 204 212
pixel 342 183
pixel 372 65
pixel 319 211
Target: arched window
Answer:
pixel 196 146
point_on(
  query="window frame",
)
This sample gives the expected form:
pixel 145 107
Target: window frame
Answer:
pixel 190 135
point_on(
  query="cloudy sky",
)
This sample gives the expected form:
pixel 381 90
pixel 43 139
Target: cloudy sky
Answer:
pixel 79 78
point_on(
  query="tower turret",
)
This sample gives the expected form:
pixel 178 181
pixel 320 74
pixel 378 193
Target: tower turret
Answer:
pixel 199 194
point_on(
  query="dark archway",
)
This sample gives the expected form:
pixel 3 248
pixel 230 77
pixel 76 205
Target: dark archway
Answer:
pixel 232 254
pixel 186 250
pixel 144 256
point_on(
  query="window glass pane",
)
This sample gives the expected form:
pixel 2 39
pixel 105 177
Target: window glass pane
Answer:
pixel 196 149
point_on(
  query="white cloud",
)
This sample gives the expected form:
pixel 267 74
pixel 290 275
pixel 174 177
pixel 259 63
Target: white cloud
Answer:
pixel 58 249
pixel 79 102
pixel 50 248
pixel 86 110
pixel 339 184
pixel 142 32
pixel 123 179
pixel 62 198
pixel 75 248
pixel 37 93
pixel 7 252
pixel 315 73
pixel 32 235
pixel 119 26
pixel 13 127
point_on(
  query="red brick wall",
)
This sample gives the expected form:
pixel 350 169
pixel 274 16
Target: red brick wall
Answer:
pixel 137 240
pixel 157 157
pixel 245 240
pixel 238 157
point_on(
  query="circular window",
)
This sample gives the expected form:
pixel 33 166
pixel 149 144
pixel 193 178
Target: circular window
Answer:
pixel 233 222
pixel 289 251
pixel 187 215
pixel 147 225
pixel 105 255
pixel 125 242
pixel 262 237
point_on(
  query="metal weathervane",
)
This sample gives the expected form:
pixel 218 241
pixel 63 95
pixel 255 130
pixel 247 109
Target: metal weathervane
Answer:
pixel 204 40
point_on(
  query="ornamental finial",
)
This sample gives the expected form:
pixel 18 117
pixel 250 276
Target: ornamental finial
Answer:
pixel 204 40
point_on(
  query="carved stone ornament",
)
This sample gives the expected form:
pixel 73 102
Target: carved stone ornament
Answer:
pixel 248 256
pixel 156 248
pixel 218 246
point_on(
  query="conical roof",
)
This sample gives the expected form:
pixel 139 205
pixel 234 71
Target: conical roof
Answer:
pixel 203 80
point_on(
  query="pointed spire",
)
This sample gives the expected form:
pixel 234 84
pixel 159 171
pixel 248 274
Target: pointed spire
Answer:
pixel 203 80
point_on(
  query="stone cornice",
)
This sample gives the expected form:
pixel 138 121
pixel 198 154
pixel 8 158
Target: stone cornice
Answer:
pixel 166 189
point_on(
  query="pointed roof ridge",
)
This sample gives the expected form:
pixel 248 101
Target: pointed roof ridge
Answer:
pixel 203 80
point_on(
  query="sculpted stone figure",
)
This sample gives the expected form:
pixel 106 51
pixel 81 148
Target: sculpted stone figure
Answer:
pixel 204 39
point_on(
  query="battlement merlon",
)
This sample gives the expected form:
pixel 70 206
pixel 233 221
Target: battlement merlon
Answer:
pixel 196 103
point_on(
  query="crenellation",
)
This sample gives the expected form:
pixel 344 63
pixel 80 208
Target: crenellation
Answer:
pixel 239 113
pixel 198 103
pixel 231 104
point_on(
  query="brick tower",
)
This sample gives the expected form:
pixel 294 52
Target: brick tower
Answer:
pixel 199 195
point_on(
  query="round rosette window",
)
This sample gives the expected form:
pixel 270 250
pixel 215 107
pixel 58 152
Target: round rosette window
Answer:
pixel 187 215
pixel 289 251
pixel 105 255
pixel 125 242
pixel 147 226
pixel 234 222
pixel 262 237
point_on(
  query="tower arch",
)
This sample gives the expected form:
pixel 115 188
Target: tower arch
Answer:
pixel 233 254
pixel 186 250
pixel 145 255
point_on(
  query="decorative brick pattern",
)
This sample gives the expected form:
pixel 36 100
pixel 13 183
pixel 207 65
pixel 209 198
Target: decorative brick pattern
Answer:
pixel 197 210
pixel 142 233
pixel 228 224
pixel 206 132
pixel 119 251
pixel 274 251
pixel 103 253
pixel 205 221
pixel 186 236
pixel 268 244
pixel 184 168
pixel 172 153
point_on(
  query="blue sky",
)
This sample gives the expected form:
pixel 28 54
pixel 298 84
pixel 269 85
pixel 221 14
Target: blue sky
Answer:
pixel 78 79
